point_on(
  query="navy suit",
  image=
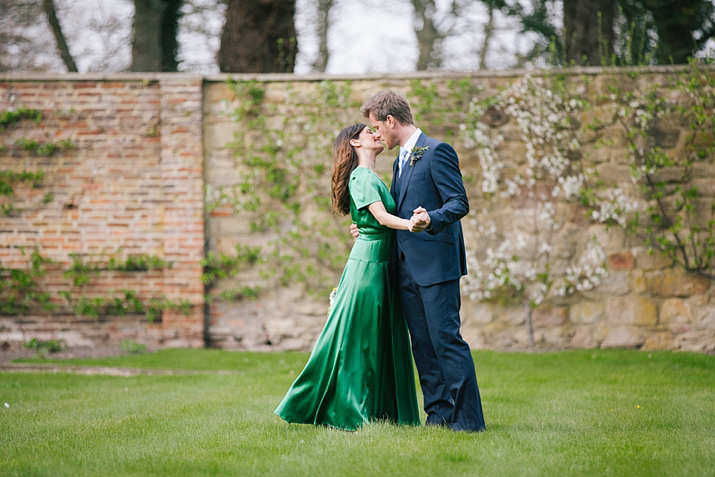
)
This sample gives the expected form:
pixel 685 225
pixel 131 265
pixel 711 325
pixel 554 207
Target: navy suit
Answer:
pixel 428 268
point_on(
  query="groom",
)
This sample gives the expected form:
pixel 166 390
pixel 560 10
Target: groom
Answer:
pixel 427 186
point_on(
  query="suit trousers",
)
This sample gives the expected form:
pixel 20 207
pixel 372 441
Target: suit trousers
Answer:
pixel 444 360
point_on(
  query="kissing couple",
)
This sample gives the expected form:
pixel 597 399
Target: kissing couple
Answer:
pixel 398 297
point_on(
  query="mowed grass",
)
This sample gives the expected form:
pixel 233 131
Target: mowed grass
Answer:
pixel 567 413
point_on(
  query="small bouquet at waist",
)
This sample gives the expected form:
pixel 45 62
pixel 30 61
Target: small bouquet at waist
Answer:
pixel 332 298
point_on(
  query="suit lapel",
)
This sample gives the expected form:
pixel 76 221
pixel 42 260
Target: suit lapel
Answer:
pixel 407 173
pixel 393 187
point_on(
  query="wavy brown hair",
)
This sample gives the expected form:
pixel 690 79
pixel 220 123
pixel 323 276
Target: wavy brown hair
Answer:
pixel 345 160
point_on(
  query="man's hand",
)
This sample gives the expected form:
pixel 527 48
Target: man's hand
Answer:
pixel 354 231
pixel 420 220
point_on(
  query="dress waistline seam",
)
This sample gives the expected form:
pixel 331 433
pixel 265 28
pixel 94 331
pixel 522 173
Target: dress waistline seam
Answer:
pixel 373 237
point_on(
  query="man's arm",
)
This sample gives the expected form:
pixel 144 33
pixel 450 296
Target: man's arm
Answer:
pixel 448 179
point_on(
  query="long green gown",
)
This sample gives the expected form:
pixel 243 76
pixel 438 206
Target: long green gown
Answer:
pixel 360 369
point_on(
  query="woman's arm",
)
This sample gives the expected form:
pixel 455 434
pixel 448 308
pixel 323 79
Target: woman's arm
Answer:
pixel 377 209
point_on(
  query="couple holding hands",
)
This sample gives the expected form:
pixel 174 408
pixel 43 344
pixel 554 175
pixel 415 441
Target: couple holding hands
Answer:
pixel 398 296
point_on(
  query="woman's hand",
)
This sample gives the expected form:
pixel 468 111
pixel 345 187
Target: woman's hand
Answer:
pixel 354 231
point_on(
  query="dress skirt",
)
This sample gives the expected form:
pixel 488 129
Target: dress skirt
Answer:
pixel 360 369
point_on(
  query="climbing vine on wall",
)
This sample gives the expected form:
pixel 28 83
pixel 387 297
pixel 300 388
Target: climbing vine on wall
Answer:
pixel 285 180
pixel 670 205
pixel 86 269
pixel 284 189
pixel 11 117
pixel 9 179
pixel 21 290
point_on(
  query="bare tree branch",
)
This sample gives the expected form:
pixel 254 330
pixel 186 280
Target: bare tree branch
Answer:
pixel 49 8
pixel 321 62
pixel 488 30
pixel 429 37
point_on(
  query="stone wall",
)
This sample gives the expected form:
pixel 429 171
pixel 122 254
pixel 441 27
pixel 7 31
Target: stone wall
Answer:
pixel 642 303
pixel 148 145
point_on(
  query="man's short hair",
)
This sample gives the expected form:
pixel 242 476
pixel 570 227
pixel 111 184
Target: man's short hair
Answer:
pixel 388 103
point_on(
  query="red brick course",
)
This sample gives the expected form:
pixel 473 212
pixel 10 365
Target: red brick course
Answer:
pixel 133 185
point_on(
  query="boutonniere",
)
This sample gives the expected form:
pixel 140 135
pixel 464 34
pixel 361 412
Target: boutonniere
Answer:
pixel 416 153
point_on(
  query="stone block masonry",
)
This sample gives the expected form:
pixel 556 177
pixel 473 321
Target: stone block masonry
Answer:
pixel 643 302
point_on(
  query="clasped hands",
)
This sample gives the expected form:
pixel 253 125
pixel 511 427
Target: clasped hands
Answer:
pixel 419 221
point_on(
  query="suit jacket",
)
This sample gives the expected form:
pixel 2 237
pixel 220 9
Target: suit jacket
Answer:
pixel 434 182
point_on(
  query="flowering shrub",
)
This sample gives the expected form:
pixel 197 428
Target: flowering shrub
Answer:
pixel 516 263
pixel 531 201
pixel 671 215
pixel 284 189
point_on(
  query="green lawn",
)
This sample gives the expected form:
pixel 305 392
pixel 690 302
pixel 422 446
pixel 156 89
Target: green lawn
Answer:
pixel 567 413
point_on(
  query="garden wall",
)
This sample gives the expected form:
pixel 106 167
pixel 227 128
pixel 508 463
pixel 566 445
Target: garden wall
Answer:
pixel 126 181
pixel 180 168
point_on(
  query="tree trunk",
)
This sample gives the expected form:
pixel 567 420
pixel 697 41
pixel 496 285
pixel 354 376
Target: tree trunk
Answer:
pixel 529 323
pixel 49 7
pixel 636 49
pixel 258 37
pixel 321 63
pixel 588 31
pixel 428 36
pixel 156 24
pixel 488 30
pixel 675 23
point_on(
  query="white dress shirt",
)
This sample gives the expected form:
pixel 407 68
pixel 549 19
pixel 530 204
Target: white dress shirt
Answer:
pixel 409 145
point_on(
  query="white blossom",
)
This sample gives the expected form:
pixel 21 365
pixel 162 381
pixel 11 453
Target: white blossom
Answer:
pixel 508 262
pixel 571 186
pixel 615 207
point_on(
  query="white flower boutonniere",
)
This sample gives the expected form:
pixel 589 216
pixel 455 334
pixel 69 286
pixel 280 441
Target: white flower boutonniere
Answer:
pixel 416 153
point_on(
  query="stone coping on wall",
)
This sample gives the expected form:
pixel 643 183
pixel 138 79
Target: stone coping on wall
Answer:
pixel 270 77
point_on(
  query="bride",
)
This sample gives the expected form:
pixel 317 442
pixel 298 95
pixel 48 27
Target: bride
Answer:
pixel 360 369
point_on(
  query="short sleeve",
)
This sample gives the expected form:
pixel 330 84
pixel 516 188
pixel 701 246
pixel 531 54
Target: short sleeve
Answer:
pixel 364 188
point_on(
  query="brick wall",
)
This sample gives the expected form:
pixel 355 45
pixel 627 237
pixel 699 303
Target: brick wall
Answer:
pixel 132 186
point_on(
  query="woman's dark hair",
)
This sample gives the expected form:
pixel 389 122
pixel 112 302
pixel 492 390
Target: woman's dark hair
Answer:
pixel 345 160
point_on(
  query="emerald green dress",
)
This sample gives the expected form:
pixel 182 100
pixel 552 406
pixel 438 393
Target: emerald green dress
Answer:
pixel 360 369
